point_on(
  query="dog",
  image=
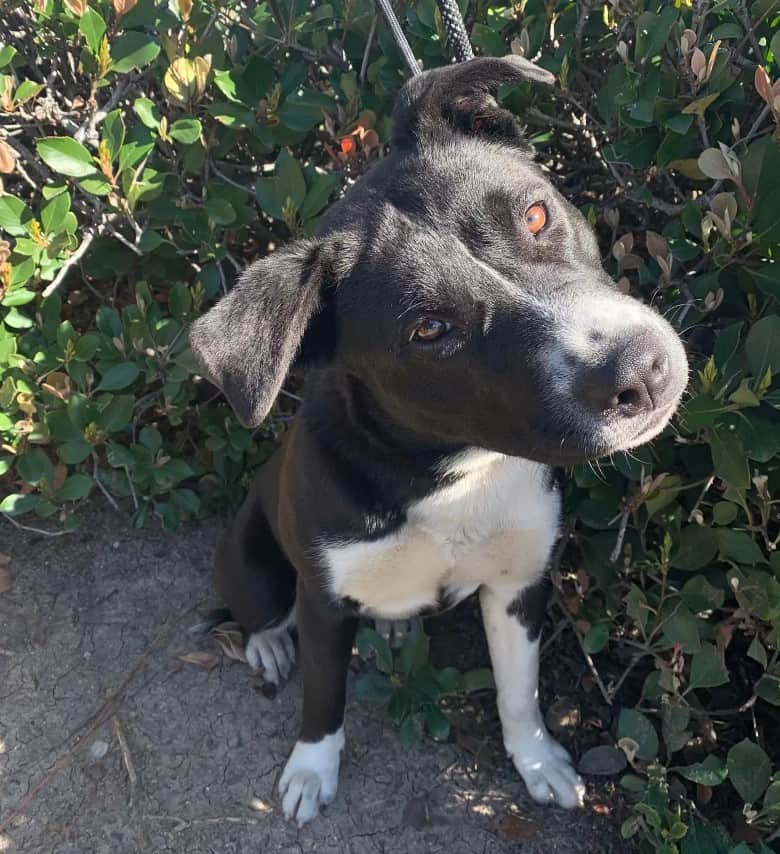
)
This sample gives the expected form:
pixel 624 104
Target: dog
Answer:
pixel 462 342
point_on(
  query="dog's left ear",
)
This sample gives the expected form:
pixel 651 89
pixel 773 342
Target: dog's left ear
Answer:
pixel 461 98
pixel 247 342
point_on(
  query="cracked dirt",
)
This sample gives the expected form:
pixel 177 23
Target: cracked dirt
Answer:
pixel 110 743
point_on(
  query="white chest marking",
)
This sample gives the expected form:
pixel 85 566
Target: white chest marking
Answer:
pixel 496 524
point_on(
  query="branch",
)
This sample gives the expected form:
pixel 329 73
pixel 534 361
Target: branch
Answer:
pixel 91 233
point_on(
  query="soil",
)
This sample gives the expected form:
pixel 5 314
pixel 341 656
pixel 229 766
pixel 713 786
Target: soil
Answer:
pixel 110 742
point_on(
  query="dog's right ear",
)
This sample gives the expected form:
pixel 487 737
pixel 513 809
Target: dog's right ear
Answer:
pixel 248 340
pixel 461 99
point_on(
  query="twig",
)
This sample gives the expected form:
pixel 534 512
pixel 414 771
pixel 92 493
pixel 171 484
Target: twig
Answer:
pixel 96 478
pixel 699 500
pixel 29 157
pixel 88 130
pixel 90 234
pixel 33 530
pixel 367 52
pixel 588 659
pixel 88 727
pixel 126 756
pixel 182 824
pixel 220 174
pixel 615 554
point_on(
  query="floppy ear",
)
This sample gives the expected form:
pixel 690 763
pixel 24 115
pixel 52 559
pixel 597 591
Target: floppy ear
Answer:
pixel 461 98
pixel 248 340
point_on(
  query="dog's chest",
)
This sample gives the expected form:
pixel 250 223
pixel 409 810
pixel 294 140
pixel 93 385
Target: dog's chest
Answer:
pixel 495 525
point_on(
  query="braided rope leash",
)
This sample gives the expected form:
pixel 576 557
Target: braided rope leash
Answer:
pixel 454 28
pixel 457 37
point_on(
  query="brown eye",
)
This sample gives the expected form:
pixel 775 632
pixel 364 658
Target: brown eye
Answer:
pixel 536 218
pixel 429 330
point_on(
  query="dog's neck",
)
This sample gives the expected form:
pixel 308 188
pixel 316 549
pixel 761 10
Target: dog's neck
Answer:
pixel 349 422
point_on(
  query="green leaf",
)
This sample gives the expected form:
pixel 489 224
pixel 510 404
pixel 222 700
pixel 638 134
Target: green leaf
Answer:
pixel 762 347
pixel 711 771
pixel 72 453
pixel 768 688
pixel 119 376
pixel 414 652
pixel 479 679
pixel 699 595
pixel 54 211
pixel 749 770
pixel 729 460
pixel 186 130
pixel 7 53
pixel 114 132
pixel 16 320
pixel 652 32
pixel 93 27
pixel 410 733
pixel 132 50
pixel 369 639
pixel 146 111
pixel 697 548
pixel 739 547
pixel 27 89
pixel 118 414
pixel 704 839
pixel 724 513
pixel 596 638
pixel 636 726
pixel 66 156
pixel 16 504
pixel 14 215
pixel 437 723
pixel 374 688
pixel 683 628
pixel 35 466
pixel 707 669
pixel 76 487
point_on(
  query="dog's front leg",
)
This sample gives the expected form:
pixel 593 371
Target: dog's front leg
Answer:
pixel 310 778
pixel 513 638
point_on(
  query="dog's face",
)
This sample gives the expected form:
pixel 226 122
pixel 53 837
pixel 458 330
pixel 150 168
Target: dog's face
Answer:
pixel 461 292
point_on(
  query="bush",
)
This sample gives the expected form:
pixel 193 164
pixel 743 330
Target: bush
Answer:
pixel 148 151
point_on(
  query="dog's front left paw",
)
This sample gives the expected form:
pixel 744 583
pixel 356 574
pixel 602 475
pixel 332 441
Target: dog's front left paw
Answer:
pixel 546 769
pixel 311 777
pixel 273 652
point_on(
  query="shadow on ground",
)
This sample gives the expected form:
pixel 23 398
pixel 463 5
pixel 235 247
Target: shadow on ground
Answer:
pixel 109 742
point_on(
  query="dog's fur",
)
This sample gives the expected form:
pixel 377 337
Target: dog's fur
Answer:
pixel 418 471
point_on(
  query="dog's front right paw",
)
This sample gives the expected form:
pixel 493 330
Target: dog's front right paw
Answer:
pixel 311 777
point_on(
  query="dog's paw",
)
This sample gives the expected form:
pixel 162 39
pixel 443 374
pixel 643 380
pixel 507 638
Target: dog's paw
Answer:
pixel 273 652
pixel 311 777
pixel 547 770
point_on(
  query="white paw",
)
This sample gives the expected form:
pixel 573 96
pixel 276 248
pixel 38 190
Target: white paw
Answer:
pixel 273 652
pixel 547 770
pixel 311 777
pixel 395 631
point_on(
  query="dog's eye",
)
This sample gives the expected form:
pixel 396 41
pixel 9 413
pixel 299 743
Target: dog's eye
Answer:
pixel 536 218
pixel 429 329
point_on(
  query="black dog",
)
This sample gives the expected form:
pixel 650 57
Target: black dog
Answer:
pixel 462 339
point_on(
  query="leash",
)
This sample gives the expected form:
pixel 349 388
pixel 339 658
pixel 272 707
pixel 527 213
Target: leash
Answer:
pixel 457 37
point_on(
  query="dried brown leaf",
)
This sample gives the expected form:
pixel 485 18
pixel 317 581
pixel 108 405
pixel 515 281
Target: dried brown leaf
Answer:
pixel 5 573
pixel 206 660
pixel 763 84
pixel 7 158
pixel 515 827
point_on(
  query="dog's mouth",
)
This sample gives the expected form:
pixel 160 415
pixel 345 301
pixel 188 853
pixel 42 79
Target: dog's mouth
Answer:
pixel 605 437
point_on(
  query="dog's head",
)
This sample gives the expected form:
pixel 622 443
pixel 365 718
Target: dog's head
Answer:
pixel 459 291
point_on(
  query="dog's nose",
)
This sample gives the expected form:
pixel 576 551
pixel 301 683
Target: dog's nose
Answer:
pixel 633 379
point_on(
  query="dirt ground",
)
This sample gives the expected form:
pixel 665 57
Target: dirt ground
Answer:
pixel 109 742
